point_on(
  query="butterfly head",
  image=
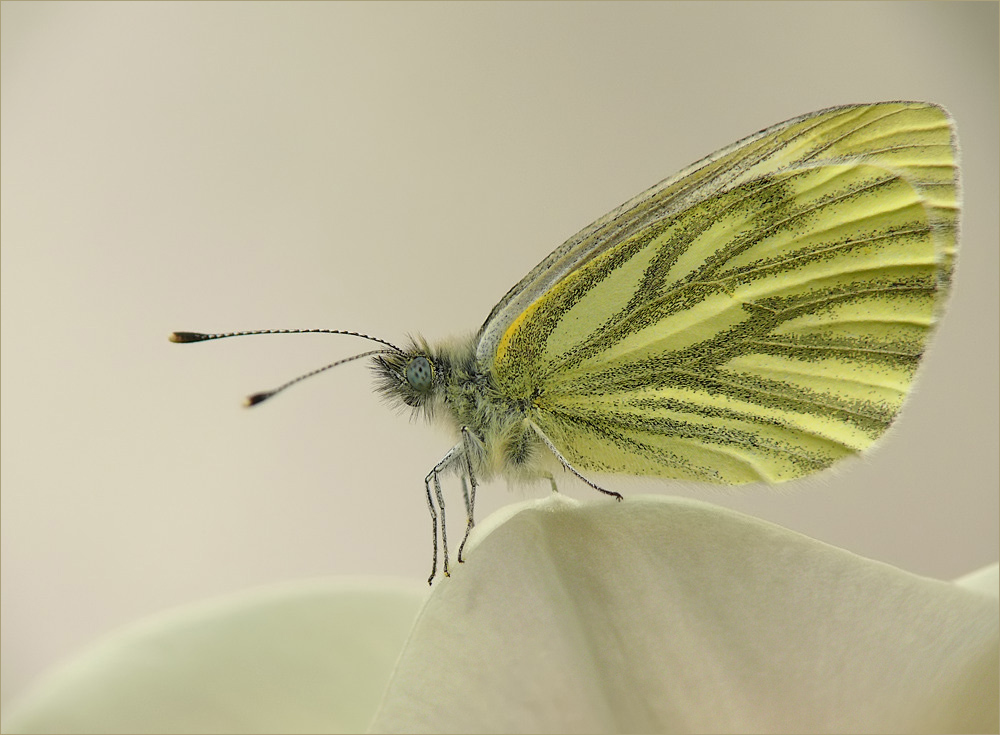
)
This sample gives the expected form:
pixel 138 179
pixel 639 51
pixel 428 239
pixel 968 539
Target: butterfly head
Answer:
pixel 408 376
pixel 426 377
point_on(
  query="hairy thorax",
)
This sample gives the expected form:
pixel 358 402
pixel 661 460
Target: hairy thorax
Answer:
pixel 462 396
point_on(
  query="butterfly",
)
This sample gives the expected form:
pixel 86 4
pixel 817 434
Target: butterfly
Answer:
pixel 755 318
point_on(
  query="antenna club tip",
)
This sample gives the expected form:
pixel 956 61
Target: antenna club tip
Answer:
pixel 182 337
pixel 257 398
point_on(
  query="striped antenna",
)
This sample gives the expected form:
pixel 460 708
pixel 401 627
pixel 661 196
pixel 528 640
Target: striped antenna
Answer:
pixel 253 400
pixel 185 337
pixel 264 395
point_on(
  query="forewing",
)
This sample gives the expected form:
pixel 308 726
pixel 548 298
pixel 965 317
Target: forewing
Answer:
pixel 888 130
pixel 757 318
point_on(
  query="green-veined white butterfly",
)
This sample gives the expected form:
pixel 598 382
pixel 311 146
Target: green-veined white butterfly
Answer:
pixel 756 317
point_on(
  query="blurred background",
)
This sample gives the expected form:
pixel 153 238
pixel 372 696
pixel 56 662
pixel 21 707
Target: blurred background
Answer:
pixel 393 169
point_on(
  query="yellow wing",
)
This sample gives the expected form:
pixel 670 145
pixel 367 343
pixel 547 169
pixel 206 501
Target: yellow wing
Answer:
pixel 757 317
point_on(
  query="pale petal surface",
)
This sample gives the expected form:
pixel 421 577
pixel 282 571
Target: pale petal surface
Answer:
pixel 305 657
pixel 655 614
pixel 666 615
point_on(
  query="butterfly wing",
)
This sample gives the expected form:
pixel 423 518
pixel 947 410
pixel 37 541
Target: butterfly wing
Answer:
pixel 757 317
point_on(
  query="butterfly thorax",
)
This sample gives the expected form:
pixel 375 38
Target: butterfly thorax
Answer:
pixel 446 384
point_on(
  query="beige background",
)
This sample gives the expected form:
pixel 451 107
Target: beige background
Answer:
pixel 392 169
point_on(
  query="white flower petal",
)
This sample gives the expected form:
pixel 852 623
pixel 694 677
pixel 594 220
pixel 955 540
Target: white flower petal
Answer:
pixel 985 580
pixel 667 615
pixel 653 615
pixel 306 657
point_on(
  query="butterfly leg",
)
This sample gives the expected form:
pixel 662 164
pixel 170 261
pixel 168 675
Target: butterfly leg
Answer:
pixel 465 494
pixel 470 500
pixel 566 465
pixel 433 477
pixel 444 526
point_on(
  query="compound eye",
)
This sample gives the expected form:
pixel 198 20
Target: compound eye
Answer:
pixel 419 373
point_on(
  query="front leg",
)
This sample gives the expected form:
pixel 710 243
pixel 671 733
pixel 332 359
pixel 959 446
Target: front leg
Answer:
pixel 470 500
pixel 434 477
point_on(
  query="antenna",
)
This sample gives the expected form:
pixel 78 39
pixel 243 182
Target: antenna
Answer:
pixel 264 395
pixel 253 400
pixel 185 337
